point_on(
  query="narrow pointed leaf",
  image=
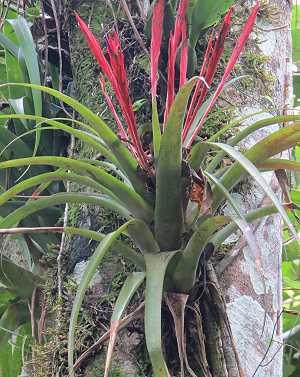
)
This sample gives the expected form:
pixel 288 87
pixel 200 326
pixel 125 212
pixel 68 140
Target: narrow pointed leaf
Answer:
pixel 91 268
pixel 240 221
pixel 128 163
pixel 277 142
pixel 96 259
pixel 124 193
pixel 241 135
pixel 84 136
pixel 130 286
pixel 254 172
pixel 57 199
pixel 279 163
pixel 119 247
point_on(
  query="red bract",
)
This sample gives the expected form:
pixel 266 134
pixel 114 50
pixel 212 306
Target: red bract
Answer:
pixel 211 60
pixel 115 72
pixel 156 38
pixel 232 61
pixel 121 130
pixel 174 42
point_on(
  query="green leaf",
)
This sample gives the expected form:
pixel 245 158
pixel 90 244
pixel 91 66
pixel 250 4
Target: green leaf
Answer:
pixel 143 237
pixel 204 108
pixel 130 286
pixel 125 194
pixel 119 248
pixel 206 13
pixel 126 160
pixel 84 136
pixel 57 199
pixel 27 45
pixel 277 142
pixel 18 280
pixel 279 163
pixel 241 135
pixel 49 178
pixel 104 246
pixel 185 272
pixel 220 236
pixel 156 265
pixel 156 132
pixel 254 173
pixel 168 206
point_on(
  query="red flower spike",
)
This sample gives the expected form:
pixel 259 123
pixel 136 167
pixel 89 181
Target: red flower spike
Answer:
pixel 211 60
pixel 94 46
pixel 115 71
pixel 232 61
pixel 121 130
pixel 121 89
pixel 184 55
pixel 156 38
pixel 174 41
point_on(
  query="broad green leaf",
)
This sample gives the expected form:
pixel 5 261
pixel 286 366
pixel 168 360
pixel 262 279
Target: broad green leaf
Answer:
pixel 168 205
pixel 143 237
pixel 156 266
pixel 18 280
pixel 185 273
pixel 206 13
pixel 16 345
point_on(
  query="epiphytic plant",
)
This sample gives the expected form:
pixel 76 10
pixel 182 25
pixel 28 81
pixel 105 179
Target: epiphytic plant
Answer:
pixel 168 190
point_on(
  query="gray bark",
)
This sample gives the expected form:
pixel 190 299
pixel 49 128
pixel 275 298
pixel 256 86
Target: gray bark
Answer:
pixel 255 311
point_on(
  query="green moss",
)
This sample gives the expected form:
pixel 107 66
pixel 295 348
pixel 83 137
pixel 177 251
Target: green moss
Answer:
pixel 218 118
pixel 257 64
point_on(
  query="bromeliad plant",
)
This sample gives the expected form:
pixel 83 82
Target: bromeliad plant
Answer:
pixel 169 191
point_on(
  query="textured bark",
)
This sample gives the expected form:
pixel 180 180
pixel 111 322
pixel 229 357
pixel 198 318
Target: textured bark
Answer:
pixel 253 309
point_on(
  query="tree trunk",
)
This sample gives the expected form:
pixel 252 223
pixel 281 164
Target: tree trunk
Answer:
pixel 253 296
